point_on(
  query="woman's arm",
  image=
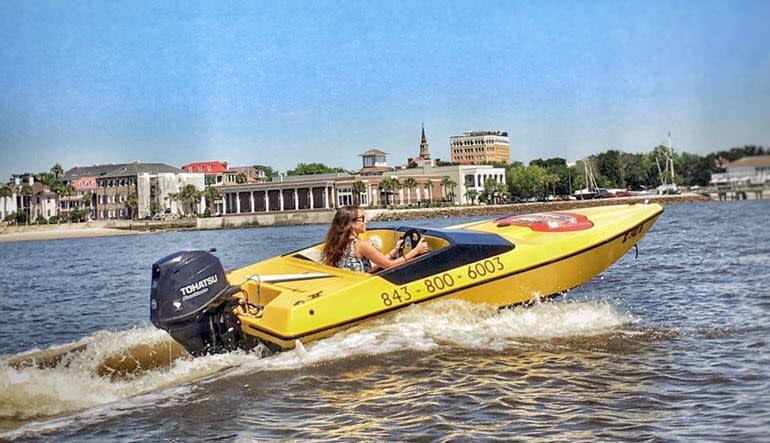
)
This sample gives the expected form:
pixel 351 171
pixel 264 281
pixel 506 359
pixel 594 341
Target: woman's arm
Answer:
pixel 366 249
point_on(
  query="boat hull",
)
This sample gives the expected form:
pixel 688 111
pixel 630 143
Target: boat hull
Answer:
pixel 538 264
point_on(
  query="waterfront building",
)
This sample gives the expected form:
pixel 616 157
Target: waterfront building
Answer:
pixel 747 175
pixel 390 188
pixel 119 194
pixel 156 191
pixel 754 169
pixel 207 167
pixel 250 173
pixel 219 172
pixel 374 162
pixel 458 184
pixel 83 180
pixel 30 197
pixel 375 185
pixel 479 147
pixel 290 193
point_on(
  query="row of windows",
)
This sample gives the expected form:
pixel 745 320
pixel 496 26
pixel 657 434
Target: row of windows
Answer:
pixel 114 213
pixel 345 197
pixel 469 150
pixel 487 141
pixel 478 158
pixel 114 183
pixel 115 198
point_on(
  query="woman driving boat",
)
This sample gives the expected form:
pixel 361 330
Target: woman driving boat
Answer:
pixel 343 249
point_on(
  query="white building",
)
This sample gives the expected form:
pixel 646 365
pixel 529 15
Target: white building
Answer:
pixel 465 178
pixel 154 193
pixel 754 169
pixel 40 202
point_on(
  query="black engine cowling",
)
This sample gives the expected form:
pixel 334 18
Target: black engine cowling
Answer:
pixel 191 299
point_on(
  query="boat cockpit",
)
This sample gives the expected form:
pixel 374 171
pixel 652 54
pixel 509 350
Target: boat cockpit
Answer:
pixel 448 249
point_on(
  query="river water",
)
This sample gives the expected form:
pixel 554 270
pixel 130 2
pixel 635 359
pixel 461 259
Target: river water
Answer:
pixel 669 346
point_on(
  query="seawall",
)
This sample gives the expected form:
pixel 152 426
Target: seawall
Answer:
pixel 122 227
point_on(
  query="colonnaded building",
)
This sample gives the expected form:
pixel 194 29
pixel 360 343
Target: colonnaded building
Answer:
pixel 375 185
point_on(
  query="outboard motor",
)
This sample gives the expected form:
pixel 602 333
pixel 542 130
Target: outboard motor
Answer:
pixel 191 299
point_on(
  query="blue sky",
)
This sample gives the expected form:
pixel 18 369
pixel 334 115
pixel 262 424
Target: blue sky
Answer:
pixel 278 83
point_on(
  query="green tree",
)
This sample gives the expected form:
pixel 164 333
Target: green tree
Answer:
pixel 131 204
pixel 410 184
pixel 389 186
pixel 46 178
pixel 560 180
pixel 77 215
pixel 527 181
pixel 358 187
pixel 57 171
pixel 313 168
pixel 494 192
pixel 211 195
pixel 636 168
pixel 471 195
pixel 609 171
pixel 694 170
pixel 448 186
pixel 188 197
pixel 87 200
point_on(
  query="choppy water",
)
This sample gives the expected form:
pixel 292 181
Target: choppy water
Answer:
pixel 671 346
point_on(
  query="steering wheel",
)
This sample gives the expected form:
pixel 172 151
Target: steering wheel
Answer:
pixel 413 237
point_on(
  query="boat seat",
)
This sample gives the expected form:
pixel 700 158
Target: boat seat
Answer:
pixel 313 254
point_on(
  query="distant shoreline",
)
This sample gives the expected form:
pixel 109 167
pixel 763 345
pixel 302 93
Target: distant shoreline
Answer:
pixel 111 228
pixel 54 232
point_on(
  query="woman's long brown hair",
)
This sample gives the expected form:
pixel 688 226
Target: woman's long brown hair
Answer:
pixel 338 235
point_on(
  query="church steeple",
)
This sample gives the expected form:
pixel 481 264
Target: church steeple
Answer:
pixel 424 152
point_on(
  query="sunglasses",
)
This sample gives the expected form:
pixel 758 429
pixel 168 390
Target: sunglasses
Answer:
pixel 361 219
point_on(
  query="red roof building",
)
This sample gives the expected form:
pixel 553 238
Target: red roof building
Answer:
pixel 206 167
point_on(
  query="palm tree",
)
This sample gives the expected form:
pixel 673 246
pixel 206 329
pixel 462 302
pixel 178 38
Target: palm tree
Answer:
pixel 449 188
pixel 63 191
pixel 86 199
pixel 471 195
pixel 27 191
pixel 358 188
pixel 429 191
pixel 387 187
pixel 5 193
pixel 409 183
pixel 131 203
pixel 188 196
pixel 211 194
pixel 57 171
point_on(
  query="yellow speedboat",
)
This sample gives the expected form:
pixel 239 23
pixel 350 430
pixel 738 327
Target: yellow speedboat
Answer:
pixel 505 261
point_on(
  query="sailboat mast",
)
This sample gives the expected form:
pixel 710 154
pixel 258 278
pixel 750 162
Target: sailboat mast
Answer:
pixel 671 157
